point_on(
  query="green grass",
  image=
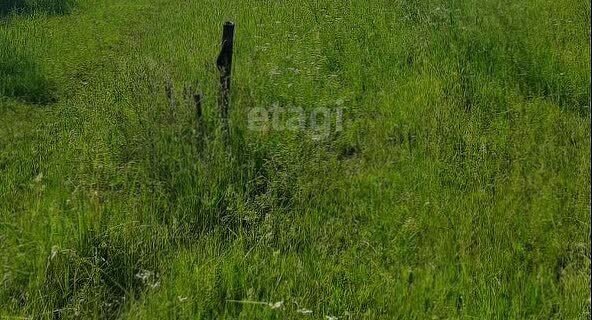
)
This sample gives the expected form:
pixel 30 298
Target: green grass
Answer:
pixel 459 187
pixel 30 6
pixel 22 78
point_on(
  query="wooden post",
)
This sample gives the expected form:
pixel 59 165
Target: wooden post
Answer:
pixel 224 64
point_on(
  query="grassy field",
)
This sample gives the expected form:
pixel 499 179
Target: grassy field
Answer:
pixel 457 188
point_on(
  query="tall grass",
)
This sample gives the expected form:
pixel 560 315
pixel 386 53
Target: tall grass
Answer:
pixel 22 78
pixel 458 188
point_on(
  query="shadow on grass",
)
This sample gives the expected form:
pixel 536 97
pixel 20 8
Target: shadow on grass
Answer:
pixel 21 78
pixel 29 6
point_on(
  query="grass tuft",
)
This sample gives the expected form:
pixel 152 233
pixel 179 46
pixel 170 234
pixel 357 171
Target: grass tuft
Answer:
pixel 22 78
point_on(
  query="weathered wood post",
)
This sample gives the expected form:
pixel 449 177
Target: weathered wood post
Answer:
pixel 224 64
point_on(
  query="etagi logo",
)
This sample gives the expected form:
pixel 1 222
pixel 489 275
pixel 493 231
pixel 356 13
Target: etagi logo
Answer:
pixel 318 122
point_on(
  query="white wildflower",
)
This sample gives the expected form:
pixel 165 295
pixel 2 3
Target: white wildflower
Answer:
pixel 144 275
pixel 276 305
pixel 304 311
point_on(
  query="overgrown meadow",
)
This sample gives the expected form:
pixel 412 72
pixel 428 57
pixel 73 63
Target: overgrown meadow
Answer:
pixel 458 186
